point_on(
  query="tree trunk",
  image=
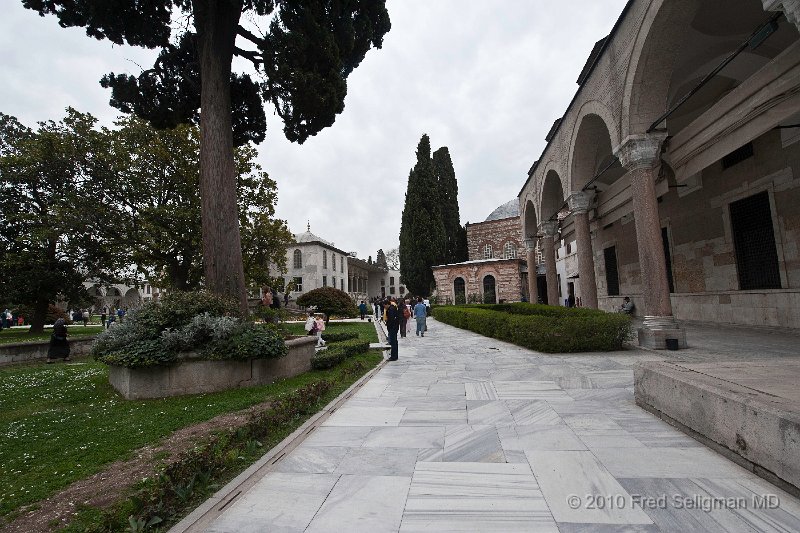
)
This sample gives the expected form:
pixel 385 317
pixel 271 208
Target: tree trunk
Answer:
pixel 39 315
pixel 216 22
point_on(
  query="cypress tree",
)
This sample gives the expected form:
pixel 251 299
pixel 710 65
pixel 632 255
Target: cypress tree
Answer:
pixel 422 234
pixel 447 188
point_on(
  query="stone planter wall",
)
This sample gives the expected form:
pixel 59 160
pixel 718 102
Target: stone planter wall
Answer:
pixel 197 376
pixel 31 351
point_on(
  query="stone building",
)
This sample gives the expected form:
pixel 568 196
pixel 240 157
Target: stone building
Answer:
pixel 115 295
pixel 678 163
pixel 313 262
pixel 494 271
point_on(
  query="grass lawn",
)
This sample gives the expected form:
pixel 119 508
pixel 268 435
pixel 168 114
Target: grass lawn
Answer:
pixel 21 334
pixel 62 423
pixel 366 330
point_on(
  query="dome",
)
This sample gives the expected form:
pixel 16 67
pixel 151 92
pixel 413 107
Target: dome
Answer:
pixel 307 236
pixel 507 210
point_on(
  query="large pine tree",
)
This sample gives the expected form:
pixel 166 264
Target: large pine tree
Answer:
pixel 447 187
pixel 422 233
pixel 307 50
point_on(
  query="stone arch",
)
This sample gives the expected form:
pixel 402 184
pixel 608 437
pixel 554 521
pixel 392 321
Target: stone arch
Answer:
pixel 489 288
pixel 680 42
pixel 530 223
pixel 132 298
pixel 552 199
pixel 591 146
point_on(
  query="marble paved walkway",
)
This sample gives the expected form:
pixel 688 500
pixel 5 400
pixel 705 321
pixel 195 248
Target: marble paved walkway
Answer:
pixel 467 433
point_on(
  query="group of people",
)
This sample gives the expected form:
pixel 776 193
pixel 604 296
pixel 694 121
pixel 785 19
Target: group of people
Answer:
pixel 270 298
pixel 397 315
pixel 8 319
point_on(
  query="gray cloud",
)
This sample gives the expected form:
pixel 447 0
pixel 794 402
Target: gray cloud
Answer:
pixel 485 79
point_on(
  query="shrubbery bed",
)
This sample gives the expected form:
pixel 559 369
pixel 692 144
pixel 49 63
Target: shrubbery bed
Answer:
pixel 199 323
pixel 338 352
pixel 542 328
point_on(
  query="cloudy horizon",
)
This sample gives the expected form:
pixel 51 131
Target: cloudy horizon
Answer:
pixel 487 84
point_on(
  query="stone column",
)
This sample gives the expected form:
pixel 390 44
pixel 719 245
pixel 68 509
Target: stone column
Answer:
pixel 640 155
pixel 549 229
pixel 790 8
pixel 579 203
pixel 533 290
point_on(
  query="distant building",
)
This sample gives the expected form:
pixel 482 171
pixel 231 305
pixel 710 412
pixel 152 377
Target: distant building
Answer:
pixel 116 295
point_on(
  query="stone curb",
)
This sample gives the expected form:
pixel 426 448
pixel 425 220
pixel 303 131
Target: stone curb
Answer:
pixel 209 510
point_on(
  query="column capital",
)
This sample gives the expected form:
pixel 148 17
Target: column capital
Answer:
pixel 579 202
pixel 549 228
pixel 530 244
pixel 790 8
pixel 640 151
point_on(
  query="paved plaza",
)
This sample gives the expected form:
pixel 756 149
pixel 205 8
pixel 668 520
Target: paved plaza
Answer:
pixel 467 433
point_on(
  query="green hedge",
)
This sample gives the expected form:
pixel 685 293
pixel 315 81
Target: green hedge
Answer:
pixel 339 336
pixel 339 352
pixel 542 328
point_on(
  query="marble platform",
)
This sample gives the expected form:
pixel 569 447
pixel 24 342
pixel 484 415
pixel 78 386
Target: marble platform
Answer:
pixel 466 433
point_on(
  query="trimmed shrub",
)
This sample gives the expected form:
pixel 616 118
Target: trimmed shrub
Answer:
pixel 198 322
pixel 542 328
pixel 329 301
pixel 352 347
pixel 327 359
pixel 339 336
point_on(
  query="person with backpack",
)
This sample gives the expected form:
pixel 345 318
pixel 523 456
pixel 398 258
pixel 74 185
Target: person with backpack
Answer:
pixel 405 314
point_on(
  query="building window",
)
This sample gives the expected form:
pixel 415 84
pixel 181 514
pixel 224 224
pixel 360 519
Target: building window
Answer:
pixel 754 243
pixel 612 275
pixel 489 295
pixel 391 280
pixel 391 290
pixel 510 251
pixel 324 258
pixel 341 266
pixel 402 290
pixel 569 248
pixel 487 252
pixel 333 262
pixel 383 282
pixel 349 285
pixel 459 291
pixel 298 259
pixel 333 282
pixel 558 277
pixel 324 281
pixel 341 284
pixel 298 284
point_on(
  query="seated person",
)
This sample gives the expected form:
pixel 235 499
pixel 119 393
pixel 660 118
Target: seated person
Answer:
pixel 627 306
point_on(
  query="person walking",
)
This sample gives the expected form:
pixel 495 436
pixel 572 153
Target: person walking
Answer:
pixel 405 314
pixel 85 317
pixel 320 325
pixel 362 308
pixel 392 318
pixel 420 313
pixel 59 345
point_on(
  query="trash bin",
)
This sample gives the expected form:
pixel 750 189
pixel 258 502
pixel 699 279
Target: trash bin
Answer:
pixel 672 344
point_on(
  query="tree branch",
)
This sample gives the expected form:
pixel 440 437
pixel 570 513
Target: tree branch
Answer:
pixel 254 57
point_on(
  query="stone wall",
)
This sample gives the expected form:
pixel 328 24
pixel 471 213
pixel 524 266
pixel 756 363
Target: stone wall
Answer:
pixel 506 272
pixel 196 376
pixel 495 233
pixel 34 351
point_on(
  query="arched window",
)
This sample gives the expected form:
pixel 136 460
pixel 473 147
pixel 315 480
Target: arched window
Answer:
pixel 298 259
pixel 459 291
pixel 487 252
pixel 324 258
pixel 510 251
pixel 489 294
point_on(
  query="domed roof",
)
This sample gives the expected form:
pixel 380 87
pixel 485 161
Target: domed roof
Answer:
pixel 307 236
pixel 507 210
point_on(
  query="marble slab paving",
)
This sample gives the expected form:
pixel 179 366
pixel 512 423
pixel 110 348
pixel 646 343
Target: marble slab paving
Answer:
pixel 568 479
pixel 433 418
pixel 366 416
pixel 362 503
pixel 465 496
pixel 378 461
pixel 465 443
pixel 669 463
pixel 406 437
pixel 286 502
pixel 337 436
pixel 312 459
pixel 524 438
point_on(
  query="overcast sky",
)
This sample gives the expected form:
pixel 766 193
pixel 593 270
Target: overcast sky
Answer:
pixel 485 79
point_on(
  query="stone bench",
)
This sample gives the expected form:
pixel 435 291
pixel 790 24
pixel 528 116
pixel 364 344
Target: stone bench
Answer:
pixel 748 411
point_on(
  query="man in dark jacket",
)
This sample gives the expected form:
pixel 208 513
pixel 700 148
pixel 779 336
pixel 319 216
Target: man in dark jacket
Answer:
pixel 392 326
